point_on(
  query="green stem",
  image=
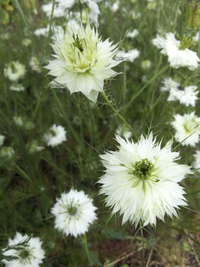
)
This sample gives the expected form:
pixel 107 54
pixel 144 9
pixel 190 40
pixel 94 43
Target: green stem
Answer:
pixel 22 172
pixel 124 81
pixel 64 115
pixel 142 89
pixel 119 115
pixel 86 249
pixel 26 24
pixel 51 19
pixel 162 9
pixel 141 231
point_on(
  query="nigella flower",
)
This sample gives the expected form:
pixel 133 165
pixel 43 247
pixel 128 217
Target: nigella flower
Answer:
pixel 55 136
pixel 61 8
pixel 187 128
pixel 130 55
pixel 196 162
pixel 14 71
pixel 187 95
pixel 83 61
pixel 28 254
pixel 141 180
pixel 177 51
pixel 74 212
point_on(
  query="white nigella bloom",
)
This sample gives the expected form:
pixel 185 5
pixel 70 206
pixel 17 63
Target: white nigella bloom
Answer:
pixel 74 212
pixel 55 136
pixel 146 64
pixel 186 95
pixel 7 152
pixel 187 128
pixel 61 8
pixel 177 51
pixel 18 87
pixel 2 138
pixel 83 61
pixel 196 163
pixel 14 71
pixel 130 55
pixel 35 64
pixel 28 253
pixel 132 34
pixel 141 180
pixel 33 147
pixel 124 132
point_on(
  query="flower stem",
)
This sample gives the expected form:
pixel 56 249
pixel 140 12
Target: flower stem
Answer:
pixel 117 113
pixel 141 231
pixel 64 115
pixel 86 249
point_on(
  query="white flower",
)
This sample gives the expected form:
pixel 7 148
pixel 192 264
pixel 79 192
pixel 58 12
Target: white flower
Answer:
pixel 2 138
pixel 35 64
pixel 18 120
pixel 61 8
pixel 74 212
pixel 187 128
pixel 82 61
pixel 29 254
pixel 186 95
pixel 177 57
pixel 196 163
pixel 26 42
pixel 33 147
pixel 14 71
pixel 123 132
pixel 7 152
pixel 141 180
pixel 17 87
pixel 55 136
pixel 146 64
pixel 132 34
pixel 130 55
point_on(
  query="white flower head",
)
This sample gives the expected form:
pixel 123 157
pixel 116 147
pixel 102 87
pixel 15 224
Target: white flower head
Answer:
pixel 196 162
pixel 55 136
pixel 35 64
pixel 61 8
pixel 17 87
pixel 141 180
pixel 177 57
pixel 123 131
pixel 74 212
pixel 132 34
pixel 83 61
pixel 7 152
pixel 14 71
pixel 187 128
pixel 130 55
pixel 186 95
pixel 2 138
pixel 28 253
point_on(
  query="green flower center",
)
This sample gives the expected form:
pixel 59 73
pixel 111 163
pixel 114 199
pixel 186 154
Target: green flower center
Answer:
pixel 52 132
pixel 77 42
pixel 143 169
pixel 72 211
pixel 24 254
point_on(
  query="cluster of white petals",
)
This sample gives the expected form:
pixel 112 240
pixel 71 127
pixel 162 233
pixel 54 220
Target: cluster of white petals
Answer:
pixel 55 136
pixel 186 95
pixel 130 55
pixel 176 57
pixel 61 8
pixel 187 128
pixel 74 212
pixel 29 254
pixel 141 180
pixel 82 61
pixel 14 71
pixel 196 162
pixel 17 87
